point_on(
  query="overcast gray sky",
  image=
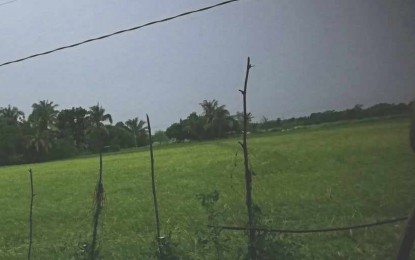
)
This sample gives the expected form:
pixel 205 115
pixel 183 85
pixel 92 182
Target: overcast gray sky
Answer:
pixel 309 56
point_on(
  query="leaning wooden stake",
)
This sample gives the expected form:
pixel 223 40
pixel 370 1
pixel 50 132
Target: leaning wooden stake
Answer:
pixel 248 173
pixel 98 205
pixel 156 210
pixel 29 256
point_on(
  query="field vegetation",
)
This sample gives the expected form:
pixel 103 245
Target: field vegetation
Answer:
pixel 328 176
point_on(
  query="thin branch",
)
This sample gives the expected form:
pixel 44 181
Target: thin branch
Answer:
pixel 248 173
pixel 156 211
pixel 29 256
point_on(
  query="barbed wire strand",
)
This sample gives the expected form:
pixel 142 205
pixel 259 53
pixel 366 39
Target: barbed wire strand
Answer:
pixel 119 32
pixel 321 230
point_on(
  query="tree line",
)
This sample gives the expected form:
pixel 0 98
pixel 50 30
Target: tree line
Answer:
pixel 216 122
pixel 355 113
pixel 50 134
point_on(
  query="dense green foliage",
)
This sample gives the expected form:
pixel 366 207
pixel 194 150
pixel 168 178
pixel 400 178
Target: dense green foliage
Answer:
pixel 357 112
pixel 50 134
pixel 214 122
pixel 323 176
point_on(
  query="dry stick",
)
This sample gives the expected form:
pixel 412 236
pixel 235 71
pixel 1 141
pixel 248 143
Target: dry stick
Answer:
pixel 248 173
pixel 99 200
pixel 156 210
pixel 29 256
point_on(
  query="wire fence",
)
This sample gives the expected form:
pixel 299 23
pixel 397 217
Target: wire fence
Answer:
pixel 235 213
pixel 320 230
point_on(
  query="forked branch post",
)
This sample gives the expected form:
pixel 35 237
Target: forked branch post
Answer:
pixel 248 173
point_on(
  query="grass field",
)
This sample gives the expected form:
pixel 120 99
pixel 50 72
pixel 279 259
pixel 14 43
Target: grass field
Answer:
pixel 322 177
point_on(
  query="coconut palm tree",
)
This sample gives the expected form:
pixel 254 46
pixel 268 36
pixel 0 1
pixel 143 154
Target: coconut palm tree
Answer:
pixel 43 116
pixel 96 117
pixel 216 117
pixel 220 120
pixel 40 141
pixel 136 127
pixel 97 132
pixel 43 120
pixel 12 114
pixel 209 108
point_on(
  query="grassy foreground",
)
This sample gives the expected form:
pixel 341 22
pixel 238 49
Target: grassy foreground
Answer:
pixel 311 178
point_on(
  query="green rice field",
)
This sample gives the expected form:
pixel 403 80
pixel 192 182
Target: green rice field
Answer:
pixel 326 176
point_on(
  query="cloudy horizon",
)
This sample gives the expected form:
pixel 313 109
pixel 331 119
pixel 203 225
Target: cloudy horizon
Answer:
pixel 309 56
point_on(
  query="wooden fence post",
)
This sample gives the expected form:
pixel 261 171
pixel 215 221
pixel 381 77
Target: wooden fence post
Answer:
pixel 248 173
pixel 153 185
pixel 29 256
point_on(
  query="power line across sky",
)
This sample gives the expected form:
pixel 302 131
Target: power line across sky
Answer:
pixel 117 32
pixel 309 56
